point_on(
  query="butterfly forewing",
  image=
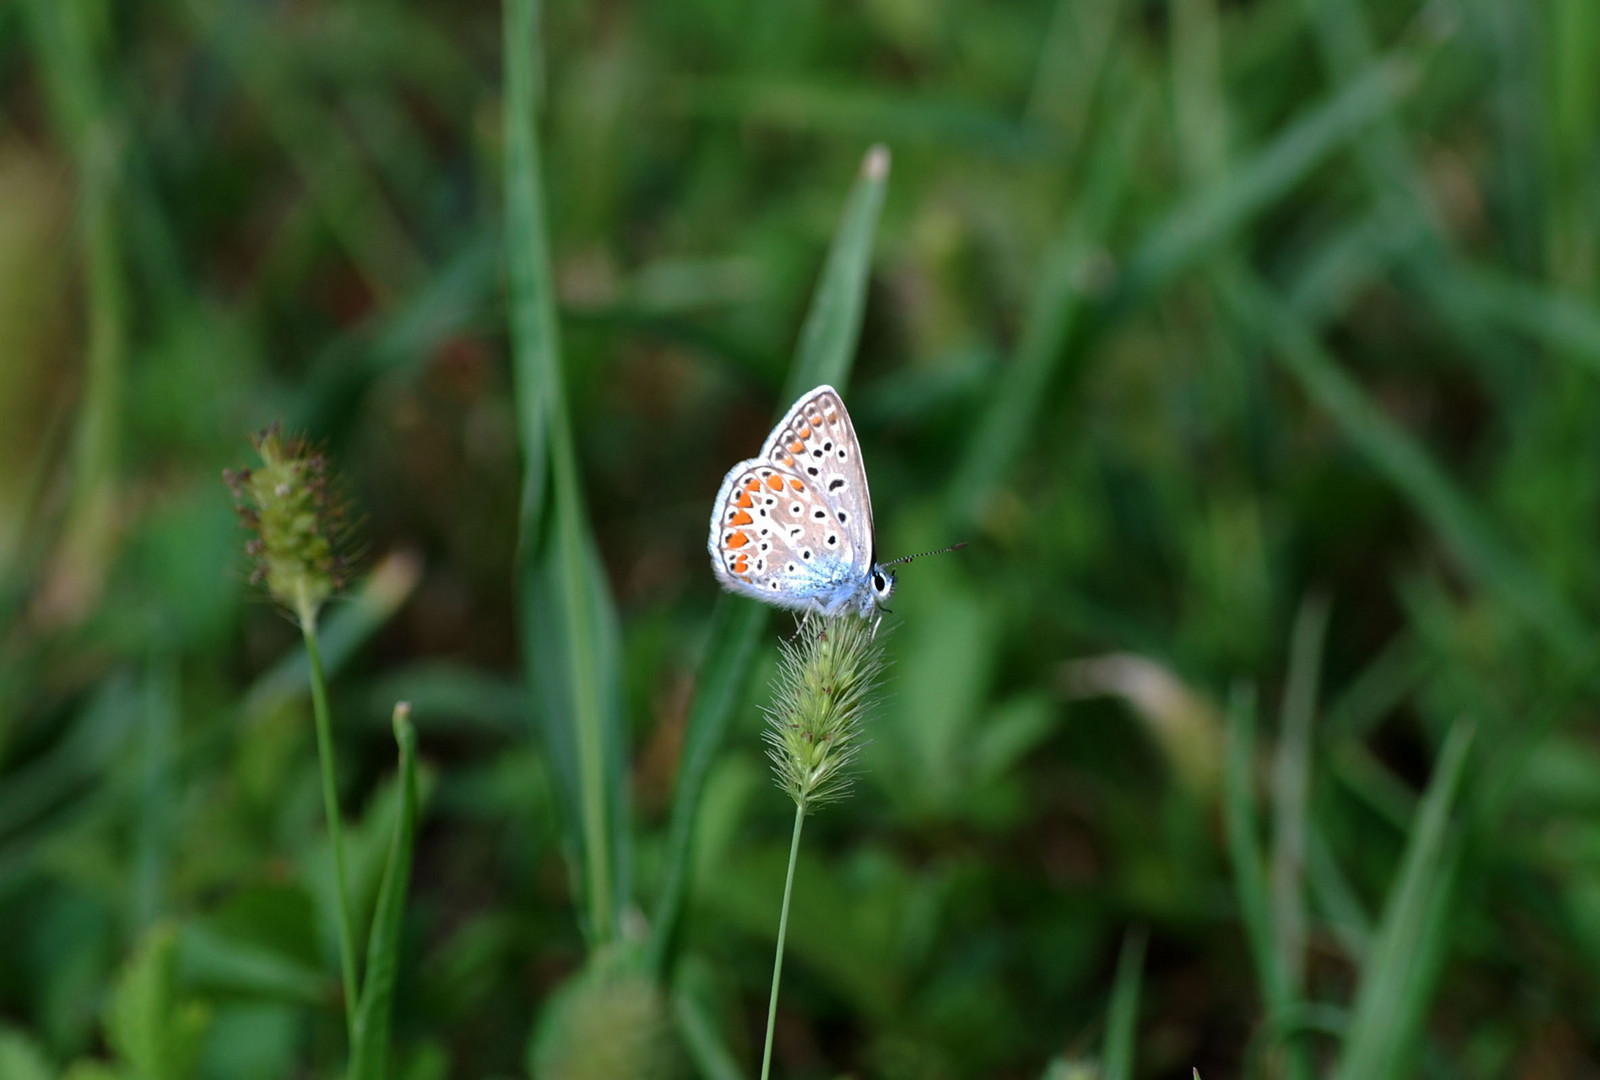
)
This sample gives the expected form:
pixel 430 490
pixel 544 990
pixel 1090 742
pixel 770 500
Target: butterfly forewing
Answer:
pixel 817 441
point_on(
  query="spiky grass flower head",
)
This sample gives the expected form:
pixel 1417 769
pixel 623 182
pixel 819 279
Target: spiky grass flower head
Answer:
pixel 826 680
pixel 298 524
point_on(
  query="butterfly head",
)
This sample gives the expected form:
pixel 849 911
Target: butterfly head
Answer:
pixel 882 585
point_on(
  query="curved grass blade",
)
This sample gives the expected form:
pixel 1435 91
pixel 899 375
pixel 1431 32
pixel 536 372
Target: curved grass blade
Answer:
pixel 370 1055
pixel 825 355
pixel 1402 968
pixel 568 623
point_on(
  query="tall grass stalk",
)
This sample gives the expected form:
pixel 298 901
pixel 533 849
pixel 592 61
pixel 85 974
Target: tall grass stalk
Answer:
pixel 330 806
pixel 824 691
pixel 286 502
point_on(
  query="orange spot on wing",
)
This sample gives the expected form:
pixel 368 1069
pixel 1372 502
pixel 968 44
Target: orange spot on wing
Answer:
pixel 742 518
pixel 738 540
pixel 797 485
pixel 797 446
pixel 753 485
pixel 775 483
pixel 805 433
pixel 743 500
pixel 788 459
pixel 833 418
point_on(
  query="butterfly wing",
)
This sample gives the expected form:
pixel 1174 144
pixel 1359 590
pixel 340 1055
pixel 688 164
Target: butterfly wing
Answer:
pixel 774 537
pixel 817 442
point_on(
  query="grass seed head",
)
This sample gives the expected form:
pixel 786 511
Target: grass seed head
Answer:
pixel 298 524
pixel 826 680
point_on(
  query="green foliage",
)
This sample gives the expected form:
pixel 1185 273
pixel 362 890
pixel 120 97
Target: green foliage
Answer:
pixel 1181 312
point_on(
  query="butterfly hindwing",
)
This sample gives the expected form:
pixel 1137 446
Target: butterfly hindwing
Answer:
pixel 774 538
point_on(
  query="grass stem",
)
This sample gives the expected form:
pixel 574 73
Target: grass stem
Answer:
pixel 330 802
pixel 783 929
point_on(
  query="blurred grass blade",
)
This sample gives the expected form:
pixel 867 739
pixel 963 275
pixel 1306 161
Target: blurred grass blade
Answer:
pixel 94 741
pixel 1075 50
pixel 1122 1020
pixel 216 961
pixel 1197 225
pixel 1065 285
pixel 1396 455
pixel 696 1024
pixel 1244 851
pixel 70 42
pixel 568 626
pixel 832 328
pixel 850 112
pixel 1402 968
pixel 354 205
pixel 1291 781
pixel 369 1056
pixel 825 354
pixel 735 628
pixel 1568 325
pixel 1337 898
pixel 1345 41
pixel 157 752
pixel 349 625
pixel 401 337
pixel 1379 688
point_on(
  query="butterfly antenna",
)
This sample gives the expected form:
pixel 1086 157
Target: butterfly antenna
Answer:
pixel 923 554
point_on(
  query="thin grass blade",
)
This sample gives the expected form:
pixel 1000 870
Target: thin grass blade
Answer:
pixel 1122 1020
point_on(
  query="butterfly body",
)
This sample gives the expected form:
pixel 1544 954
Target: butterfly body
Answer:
pixel 793 526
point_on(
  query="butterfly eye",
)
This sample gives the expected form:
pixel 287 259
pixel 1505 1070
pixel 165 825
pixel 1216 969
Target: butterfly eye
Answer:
pixel 878 582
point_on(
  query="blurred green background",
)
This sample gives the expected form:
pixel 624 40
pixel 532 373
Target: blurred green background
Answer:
pixel 1252 344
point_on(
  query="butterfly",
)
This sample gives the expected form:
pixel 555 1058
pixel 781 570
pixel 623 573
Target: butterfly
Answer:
pixel 793 526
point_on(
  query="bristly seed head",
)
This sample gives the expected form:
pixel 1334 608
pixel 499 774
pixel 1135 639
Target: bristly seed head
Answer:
pixel 298 528
pixel 826 679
